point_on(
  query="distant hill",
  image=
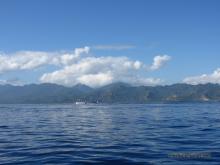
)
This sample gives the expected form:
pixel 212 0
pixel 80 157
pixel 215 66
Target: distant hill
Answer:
pixel 42 93
pixel 113 93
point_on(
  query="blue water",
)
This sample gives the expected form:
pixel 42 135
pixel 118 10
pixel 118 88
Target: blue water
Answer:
pixel 108 134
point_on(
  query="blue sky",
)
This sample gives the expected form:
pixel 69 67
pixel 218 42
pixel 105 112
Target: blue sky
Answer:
pixel 186 30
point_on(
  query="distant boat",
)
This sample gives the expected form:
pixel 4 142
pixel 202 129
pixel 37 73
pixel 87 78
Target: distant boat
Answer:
pixel 80 102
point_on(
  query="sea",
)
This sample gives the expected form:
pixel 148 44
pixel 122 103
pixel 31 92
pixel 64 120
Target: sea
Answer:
pixel 154 134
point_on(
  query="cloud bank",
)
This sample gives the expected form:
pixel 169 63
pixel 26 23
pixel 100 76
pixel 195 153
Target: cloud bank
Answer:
pixel 205 78
pixel 99 71
pixel 79 66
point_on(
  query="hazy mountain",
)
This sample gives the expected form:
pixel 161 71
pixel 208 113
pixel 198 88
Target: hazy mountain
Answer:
pixel 41 93
pixel 113 93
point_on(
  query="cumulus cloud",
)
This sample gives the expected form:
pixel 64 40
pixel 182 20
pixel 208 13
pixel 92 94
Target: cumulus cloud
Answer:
pixel 159 61
pixel 12 81
pixel 79 66
pixel 22 61
pixel 26 60
pixel 95 71
pixel 205 78
pixel 99 71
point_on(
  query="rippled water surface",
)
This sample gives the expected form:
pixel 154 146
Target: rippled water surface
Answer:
pixel 107 134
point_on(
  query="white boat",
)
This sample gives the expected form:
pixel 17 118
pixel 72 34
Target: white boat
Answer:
pixel 80 102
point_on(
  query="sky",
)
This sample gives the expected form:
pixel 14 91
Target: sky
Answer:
pixel 96 42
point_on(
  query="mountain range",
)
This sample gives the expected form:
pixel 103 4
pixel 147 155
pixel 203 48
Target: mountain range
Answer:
pixel 113 93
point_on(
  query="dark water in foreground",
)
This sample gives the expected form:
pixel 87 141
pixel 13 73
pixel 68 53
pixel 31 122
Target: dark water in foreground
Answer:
pixel 107 134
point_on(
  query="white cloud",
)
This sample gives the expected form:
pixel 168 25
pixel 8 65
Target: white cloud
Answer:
pixel 95 80
pixel 159 61
pixel 205 78
pixel 79 66
pixel 13 81
pixel 95 71
pixel 22 61
pixel 68 58
pixel 113 47
pixel 25 60
pixel 99 71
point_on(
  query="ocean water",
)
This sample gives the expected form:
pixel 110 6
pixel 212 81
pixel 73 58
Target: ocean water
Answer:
pixel 110 134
